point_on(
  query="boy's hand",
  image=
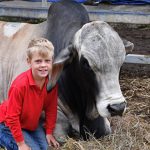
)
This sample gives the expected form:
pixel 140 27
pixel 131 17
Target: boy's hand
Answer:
pixel 23 146
pixel 51 141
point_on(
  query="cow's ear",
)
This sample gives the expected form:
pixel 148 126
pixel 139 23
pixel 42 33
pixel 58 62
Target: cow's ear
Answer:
pixel 65 57
pixel 128 46
pixel 53 78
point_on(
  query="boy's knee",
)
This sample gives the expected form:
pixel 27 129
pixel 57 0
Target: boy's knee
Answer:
pixel 6 139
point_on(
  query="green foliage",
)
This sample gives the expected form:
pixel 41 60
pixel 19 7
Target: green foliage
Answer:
pixel 20 19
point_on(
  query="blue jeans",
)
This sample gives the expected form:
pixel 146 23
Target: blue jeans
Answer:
pixel 34 139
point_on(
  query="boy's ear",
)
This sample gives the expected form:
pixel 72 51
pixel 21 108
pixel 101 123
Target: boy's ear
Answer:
pixel 65 57
pixel 28 61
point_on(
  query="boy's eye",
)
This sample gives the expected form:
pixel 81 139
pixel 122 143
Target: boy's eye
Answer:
pixel 38 61
pixel 48 60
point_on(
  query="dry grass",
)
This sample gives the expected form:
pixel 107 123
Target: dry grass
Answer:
pixel 129 133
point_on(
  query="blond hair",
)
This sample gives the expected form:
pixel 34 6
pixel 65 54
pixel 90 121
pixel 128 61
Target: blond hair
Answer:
pixel 41 45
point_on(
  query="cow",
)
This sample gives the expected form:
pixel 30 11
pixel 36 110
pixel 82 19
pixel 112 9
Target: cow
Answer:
pixel 88 58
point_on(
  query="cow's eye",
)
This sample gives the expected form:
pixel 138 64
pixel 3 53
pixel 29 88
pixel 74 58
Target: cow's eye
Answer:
pixel 85 63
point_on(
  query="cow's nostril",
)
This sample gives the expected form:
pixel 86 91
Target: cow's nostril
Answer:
pixel 116 109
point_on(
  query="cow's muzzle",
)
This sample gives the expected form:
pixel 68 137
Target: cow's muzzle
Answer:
pixel 116 109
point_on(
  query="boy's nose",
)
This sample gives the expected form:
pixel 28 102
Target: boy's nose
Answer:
pixel 43 63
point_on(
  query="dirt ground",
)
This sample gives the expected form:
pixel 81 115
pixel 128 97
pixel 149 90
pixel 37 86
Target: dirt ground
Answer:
pixel 137 34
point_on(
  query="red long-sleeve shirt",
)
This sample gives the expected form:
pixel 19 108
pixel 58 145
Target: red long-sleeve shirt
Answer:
pixel 24 105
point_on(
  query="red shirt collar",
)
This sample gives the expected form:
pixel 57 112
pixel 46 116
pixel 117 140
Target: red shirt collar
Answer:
pixel 30 77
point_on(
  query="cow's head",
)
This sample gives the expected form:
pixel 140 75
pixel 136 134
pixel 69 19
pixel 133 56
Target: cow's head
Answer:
pixel 104 52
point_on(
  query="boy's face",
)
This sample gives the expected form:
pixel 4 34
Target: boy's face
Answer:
pixel 40 66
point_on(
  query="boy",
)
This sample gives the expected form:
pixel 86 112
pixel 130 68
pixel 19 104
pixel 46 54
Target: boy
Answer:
pixel 20 124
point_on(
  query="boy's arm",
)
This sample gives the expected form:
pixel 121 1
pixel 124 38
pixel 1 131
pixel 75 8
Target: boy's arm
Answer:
pixel 51 110
pixel 13 113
